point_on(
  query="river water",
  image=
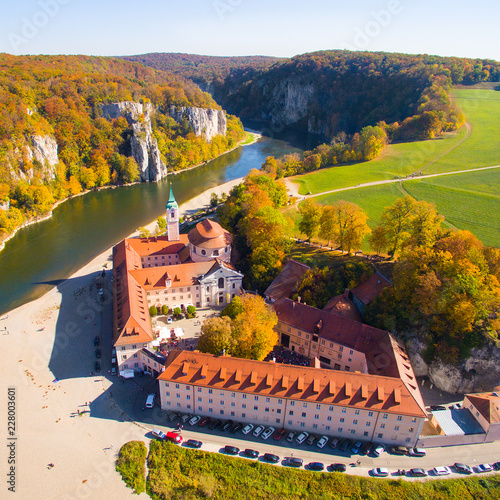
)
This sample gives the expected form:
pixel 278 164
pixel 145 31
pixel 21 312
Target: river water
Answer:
pixel 41 255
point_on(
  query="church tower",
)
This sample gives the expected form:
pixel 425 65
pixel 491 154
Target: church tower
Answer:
pixel 172 218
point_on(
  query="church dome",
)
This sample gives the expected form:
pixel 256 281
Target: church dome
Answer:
pixel 209 234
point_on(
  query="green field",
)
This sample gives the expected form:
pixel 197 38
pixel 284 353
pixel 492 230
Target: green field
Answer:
pixel 481 148
pixel 178 473
pixel 468 201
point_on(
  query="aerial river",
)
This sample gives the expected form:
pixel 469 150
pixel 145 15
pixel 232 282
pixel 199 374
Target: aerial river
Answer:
pixel 41 255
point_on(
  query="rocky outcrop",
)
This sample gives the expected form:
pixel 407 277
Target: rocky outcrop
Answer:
pixel 143 145
pixel 480 372
pixel 206 122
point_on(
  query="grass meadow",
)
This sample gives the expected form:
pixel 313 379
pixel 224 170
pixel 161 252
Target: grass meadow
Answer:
pixel 178 473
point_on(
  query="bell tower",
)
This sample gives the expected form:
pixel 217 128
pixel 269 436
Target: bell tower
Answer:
pixel 172 217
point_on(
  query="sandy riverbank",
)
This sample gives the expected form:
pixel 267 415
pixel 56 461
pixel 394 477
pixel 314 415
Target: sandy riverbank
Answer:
pixel 52 338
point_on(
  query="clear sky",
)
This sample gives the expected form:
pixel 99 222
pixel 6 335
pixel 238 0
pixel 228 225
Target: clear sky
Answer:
pixel 250 27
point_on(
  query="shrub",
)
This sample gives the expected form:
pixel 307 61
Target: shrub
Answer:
pixel 177 312
pixel 153 311
pixel 164 309
pixel 191 310
pixel 131 465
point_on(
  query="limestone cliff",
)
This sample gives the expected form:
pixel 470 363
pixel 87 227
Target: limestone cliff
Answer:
pixel 143 145
pixel 480 372
pixel 206 122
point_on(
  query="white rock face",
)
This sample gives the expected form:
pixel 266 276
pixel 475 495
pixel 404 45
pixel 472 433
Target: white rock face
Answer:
pixel 143 145
pixel 414 347
pixel 206 122
pixel 45 149
pixel 481 372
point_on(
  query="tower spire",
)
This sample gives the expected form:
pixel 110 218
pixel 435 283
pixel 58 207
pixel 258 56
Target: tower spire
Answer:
pixel 172 217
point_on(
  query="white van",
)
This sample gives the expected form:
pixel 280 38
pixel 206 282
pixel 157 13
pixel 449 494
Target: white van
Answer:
pixel 150 401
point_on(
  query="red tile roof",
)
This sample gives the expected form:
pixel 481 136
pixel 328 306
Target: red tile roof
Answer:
pixel 342 306
pixel 488 405
pixel 371 288
pixel 157 245
pixel 287 280
pixel 209 234
pixel 301 383
pixel 385 356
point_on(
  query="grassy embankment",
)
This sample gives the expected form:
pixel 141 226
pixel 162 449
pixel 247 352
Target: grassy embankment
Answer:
pixel 179 473
pixel 468 201
pixel 131 465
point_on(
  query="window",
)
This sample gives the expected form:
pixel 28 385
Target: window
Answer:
pixel 353 431
pixel 266 409
pixel 268 400
pixel 339 429
pixel 199 389
pixel 341 348
pixel 177 395
pixel 414 420
pixel 351 351
pixel 278 410
pixel 292 403
pixel 244 396
pixel 167 393
pixel 380 436
pixel 385 416
pixel 355 422
pixel 200 408
pixel 210 401
pixel 315 426
pixel 344 410
pixel 221 412
pixel 304 414
pixel 396 428
pixel 209 391
pixel 289 422
pixel 210 410
pixel 408 440
pixel 316 417
pixel 304 405
pixel 222 402
pixel 327 428
pixel 370 414
pixel 329 418
pixel 256 398
pixel 244 405
pixel 331 408
pixel 302 424
pixel 365 433
pixel 233 395
pixel 204 252
pixel 368 424
pixel 188 396
pixel 342 420
pixel 318 407
pixel 278 420
pixel 290 412
pixel 124 356
pixel 176 386
pixel 221 282
pixel 400 418
pixel 256 408
pixel 411 429
pixel 347 368
pixel 382 426
pixel 356 412
pixel 243 415
pixel 188 387
pixel 280 401
pixel 233 404
pixel 200 400
pixel 232 414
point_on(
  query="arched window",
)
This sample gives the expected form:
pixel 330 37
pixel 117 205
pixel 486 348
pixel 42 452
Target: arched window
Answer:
pixel 221 282
pixel 203 252
pixel 216 252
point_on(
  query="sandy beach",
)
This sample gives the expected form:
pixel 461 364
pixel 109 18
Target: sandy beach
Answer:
pixel 60 412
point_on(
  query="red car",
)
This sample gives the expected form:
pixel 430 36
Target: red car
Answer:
pixel 204 421
pixel 280 434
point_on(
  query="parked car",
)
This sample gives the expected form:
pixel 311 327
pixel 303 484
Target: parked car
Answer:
pixel 484 468
pixel 251 453
pixel 169 320
pixel 334 442
pixel 247 429
pixel 356 447
pixel 150 400
pixel 441 471
pixel 271 458
pixel 268 433
pixel 194 420
pixel 496 465
pixel 226 425
pixel 97 340
pixel 462 468
pixel 337 467
pixel 418 472
pixel 344 444
pixel 173 416
pixel 455 406
pixel 185 417
pixel 302 437
pixel 97 367
pixel 315 466
pixel 174 437
pixel 366 448
pixel 280 434
pixel 293 462
pixel 380 472
pixel 438 408
pixel 231 450
pixel 113 370
pixel 310 440
pixel 159 434
pixel 193 443
pixel 214 424
pixel 290 437
pixel 416 452
pixel 258 430
pixel 204 421
pixel 398 450
pixel 322 442
pixel 235 428
pixel 378 449
pixel 98 353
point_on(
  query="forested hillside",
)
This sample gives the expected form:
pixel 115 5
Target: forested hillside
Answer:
pixel 54 140
pixel 205 70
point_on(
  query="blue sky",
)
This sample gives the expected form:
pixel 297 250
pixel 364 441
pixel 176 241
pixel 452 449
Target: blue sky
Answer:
pixel 250 27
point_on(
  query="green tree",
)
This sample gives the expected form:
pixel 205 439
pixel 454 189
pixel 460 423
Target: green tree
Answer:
pixel 234 308
pixel 164 309
pixel 327 223
pixel 310 213
pixel 214 200
pixel 216 336
pixel 153 311
pixel 191 310
pixel 177 312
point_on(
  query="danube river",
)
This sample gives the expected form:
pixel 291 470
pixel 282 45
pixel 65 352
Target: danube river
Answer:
pixel 41 255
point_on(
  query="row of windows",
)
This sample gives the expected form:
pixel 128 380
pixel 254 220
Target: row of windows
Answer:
pixel 134 346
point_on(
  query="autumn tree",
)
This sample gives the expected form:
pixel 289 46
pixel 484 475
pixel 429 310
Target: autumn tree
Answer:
pixel 217 336
pixel 253 329
pixel 349 225
pixel 327 223
pixel 310 213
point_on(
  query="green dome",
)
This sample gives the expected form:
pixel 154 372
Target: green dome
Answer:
pixel 171 203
